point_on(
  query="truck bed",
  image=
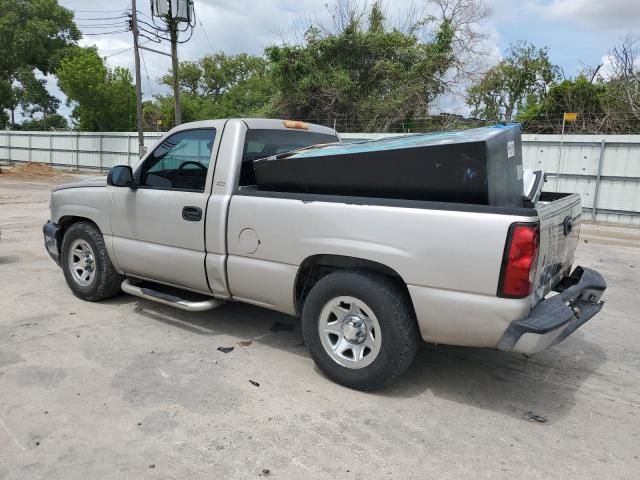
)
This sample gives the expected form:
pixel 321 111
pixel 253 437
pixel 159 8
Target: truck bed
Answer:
pixel 448 254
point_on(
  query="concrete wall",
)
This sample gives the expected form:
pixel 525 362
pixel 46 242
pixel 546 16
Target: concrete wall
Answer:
pixel 603 169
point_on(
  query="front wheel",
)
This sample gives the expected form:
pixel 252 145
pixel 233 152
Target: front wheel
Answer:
pixel 86 264
pixel 360 329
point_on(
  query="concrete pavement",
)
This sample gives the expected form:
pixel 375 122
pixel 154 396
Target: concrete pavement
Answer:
pixel 132 389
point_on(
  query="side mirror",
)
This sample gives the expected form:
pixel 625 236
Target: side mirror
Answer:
pixel 121 176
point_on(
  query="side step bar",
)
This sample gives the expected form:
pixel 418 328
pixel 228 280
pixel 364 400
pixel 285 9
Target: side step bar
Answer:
pixel 144 291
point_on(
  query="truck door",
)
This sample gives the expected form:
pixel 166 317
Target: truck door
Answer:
pixel 158 228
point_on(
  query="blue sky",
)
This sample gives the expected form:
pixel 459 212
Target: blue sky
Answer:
pixel 577 32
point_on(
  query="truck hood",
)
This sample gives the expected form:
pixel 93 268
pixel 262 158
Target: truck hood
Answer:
pixel 88 182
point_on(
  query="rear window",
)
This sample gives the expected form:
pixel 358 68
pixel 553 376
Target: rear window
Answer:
pixel 259 143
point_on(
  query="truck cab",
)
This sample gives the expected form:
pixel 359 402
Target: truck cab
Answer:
pixel 155 228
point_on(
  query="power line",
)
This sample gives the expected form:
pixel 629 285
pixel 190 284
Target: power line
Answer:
pixel 144 14
pixel 124 50
pixel 188 38
pixel 150 39
pixel 106 25
pixel 118 53
pixel 101 18
pixel 146 72
pixel 204 30
pixel 106 33
pixel 152 32
pixel 128 12
pixel 154 26
pixel 101 11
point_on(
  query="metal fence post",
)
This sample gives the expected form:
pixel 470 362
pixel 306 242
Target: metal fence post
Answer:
pixel 129 149
pixel 100 148
pixel 50 148
pixel 29 145
pixel 594 212
pixel 77 151
pixel 9 135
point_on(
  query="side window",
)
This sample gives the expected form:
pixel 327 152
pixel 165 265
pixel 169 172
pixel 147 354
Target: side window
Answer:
pixel 260 143
pixel 180 162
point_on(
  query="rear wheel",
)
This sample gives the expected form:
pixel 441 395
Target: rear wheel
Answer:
pixel 86 264
pixel 360 329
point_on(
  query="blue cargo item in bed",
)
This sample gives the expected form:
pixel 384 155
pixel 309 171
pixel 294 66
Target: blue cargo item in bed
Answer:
pixel 479 166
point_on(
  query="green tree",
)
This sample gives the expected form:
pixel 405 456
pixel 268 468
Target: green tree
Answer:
pixel 7 99
pixel 32 95
pixel 103 99
pixel 525 73
pixel 363 73
pixel 34 35
pixel 580 95
pixel 222 73
pixel 216 86
pixel 158 114
pixel 4 119
pixel 54 121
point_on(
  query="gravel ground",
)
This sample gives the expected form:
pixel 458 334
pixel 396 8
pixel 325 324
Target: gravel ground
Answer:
pixel 132 389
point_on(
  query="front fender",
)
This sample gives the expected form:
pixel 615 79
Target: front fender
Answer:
pixel 92 203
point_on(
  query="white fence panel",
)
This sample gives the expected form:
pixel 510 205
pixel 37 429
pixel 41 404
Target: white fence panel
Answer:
pixel 603 169
pixel 73 149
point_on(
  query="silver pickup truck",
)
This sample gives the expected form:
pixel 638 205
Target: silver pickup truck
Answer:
pixel 370 277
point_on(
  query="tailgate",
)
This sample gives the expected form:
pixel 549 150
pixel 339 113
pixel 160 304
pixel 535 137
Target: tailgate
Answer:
pixel 559 215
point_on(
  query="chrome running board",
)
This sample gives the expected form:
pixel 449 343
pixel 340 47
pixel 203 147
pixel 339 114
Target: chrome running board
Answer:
pixel 144 291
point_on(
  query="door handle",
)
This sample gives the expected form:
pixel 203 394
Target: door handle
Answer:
pixel 192 214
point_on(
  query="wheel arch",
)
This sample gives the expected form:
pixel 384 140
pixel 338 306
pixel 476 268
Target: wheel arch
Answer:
pixel 315 267
pixel 64 223
pixel 67 221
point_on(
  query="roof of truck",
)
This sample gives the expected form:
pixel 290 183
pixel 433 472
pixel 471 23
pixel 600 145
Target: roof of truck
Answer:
pixel 256 123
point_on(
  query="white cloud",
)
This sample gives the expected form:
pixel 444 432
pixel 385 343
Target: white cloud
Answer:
pixel 593 14
pixel 606 72
pixel 610 68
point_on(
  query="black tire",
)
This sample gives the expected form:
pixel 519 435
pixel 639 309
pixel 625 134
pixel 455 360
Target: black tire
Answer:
pixel 106 282
pixel 389 302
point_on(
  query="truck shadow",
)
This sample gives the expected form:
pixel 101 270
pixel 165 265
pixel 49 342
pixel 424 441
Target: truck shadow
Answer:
pixel 9 259
pixel 506 383
pixel 245 322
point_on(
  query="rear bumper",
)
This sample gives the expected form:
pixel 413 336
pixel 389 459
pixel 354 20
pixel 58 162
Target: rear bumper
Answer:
pixel 51 233
pixel 557 317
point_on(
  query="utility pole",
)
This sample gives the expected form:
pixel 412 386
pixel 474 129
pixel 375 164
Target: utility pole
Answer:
pixel 173 35
pixel 139 119
pixel 173 13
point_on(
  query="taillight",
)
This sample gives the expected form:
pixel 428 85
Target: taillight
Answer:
pixel 519 261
